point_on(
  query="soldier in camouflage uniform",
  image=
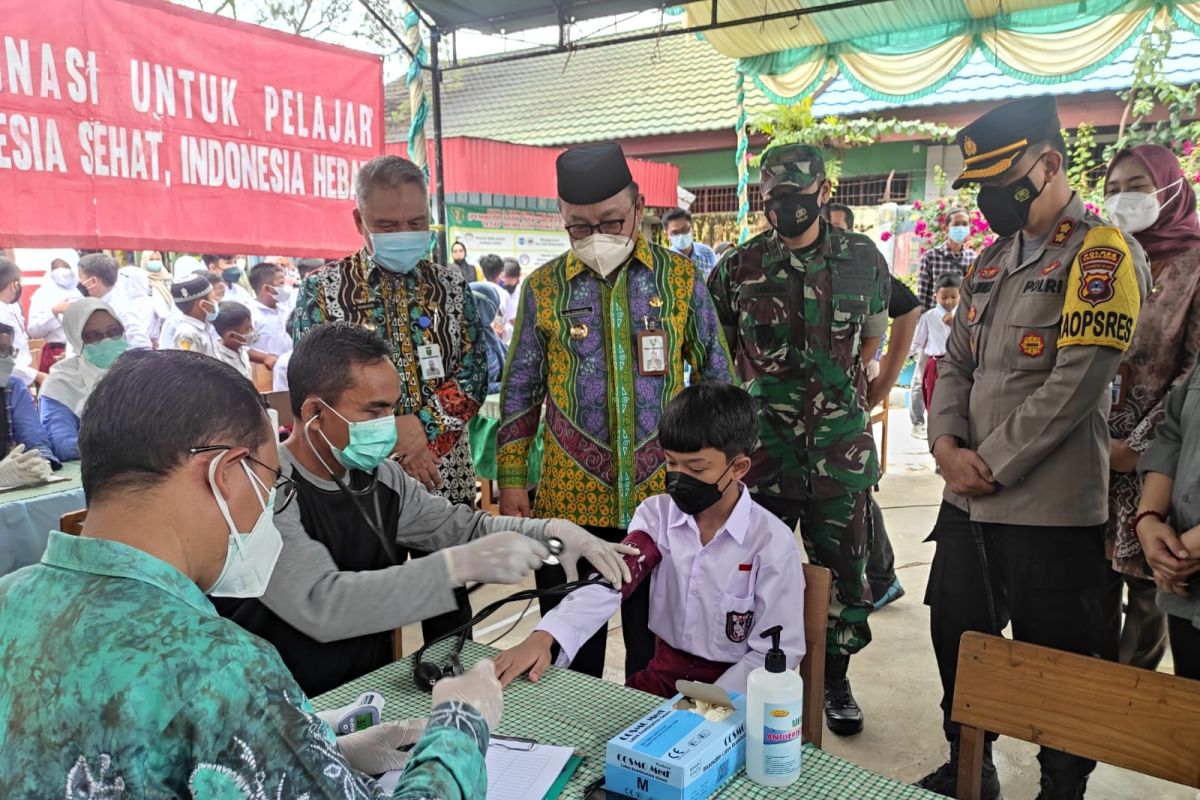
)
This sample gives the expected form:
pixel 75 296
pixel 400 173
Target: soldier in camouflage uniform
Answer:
pixel 800 305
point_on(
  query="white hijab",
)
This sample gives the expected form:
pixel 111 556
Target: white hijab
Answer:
pixel 50 293
pixel 133 282
pixel 71 380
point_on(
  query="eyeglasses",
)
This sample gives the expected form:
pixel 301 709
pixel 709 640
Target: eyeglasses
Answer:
pixel 285 487
pixel 111 332
pixel 610 227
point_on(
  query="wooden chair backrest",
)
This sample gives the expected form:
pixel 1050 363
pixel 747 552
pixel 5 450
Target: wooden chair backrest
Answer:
pixel 282 403
pixel 818 586
pixel 72 522
pixel 1144 721
pixel 264 380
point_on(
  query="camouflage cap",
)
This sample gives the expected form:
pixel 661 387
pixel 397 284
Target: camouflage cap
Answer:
pixel 799 165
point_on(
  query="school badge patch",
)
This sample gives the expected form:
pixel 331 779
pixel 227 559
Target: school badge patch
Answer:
pixel 987 273
pixel 1033 344
pixel 1053 265
pixel 1097 266
pixel 971 314
pixel 738 624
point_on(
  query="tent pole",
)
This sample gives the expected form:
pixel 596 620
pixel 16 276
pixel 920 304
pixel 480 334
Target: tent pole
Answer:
pixel 435 40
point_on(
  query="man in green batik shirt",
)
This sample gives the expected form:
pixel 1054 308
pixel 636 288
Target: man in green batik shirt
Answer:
pixel 802 307
pixel 117 677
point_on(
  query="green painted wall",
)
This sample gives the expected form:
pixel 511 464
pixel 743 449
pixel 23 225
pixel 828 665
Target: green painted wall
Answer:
pixel 716 168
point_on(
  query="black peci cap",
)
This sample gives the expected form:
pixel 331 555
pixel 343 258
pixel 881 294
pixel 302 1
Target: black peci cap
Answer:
pixel 592 173
pixel 998 139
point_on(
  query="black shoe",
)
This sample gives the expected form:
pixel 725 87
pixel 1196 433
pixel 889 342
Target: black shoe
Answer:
pixel 1057 786
pixel 944 779
pixel 842 714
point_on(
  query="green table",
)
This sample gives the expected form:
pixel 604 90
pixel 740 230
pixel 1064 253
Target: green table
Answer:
pixel 568 708
pixel 28 515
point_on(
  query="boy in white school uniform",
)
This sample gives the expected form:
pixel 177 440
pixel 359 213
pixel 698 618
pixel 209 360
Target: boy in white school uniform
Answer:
pixel 722 569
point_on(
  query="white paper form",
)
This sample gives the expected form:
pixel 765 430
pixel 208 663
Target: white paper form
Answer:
pixel 513 774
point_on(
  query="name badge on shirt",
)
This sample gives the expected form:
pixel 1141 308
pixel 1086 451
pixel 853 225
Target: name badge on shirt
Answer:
pixel 652 352
pixel 429 357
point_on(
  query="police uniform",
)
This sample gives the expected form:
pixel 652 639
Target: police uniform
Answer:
pixel 795 322
pixel 1026 383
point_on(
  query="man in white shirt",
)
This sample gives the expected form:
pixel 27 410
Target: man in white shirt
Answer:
pixel 492 266
pixel 228 270
pixel 98 275
pixel 12 315
pixel 933 330
pixel 269 312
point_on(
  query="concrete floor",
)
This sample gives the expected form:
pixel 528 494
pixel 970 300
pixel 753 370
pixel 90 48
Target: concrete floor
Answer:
pixel 895 678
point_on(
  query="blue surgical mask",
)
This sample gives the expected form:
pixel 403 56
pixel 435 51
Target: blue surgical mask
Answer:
pixel 104 352
pixel 371 441
pixel 399 252
pixel 154 266
pixel 681 241
pixel 958 233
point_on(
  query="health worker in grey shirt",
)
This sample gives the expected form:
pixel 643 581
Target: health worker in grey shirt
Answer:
pixel 337 592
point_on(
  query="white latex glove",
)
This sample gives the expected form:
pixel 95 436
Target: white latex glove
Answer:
pixel 478 688
pixel 373 750
pixel 501 557
pixel 21 467
pixel 607 557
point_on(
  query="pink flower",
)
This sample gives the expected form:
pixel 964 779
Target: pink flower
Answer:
pixel 917 205
pixel 883 237
pixel 1188 147
pixel 1196 178
pixel 941 205
pixel 988 240
pixel 920 228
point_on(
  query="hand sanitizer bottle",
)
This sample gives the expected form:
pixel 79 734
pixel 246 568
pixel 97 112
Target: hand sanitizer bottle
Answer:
pixel 774 715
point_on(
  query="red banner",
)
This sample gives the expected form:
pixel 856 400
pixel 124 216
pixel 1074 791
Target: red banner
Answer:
pixel 139 124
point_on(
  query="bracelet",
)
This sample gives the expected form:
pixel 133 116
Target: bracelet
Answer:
pixel 1156 514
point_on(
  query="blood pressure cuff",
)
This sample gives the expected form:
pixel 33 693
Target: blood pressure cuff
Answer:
pixel 641 565
pixel 1102 299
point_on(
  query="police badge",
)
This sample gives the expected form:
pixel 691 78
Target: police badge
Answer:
pixel 738 624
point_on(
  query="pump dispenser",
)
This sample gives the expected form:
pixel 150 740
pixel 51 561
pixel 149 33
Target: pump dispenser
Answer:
pixel 774 717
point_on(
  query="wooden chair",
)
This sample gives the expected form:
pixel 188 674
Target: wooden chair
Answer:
pixel 264 379
pixel 488 501
pixel 1144 721
pixel 818 587
pixel 72 522
pixel 880 415
pixel 282 403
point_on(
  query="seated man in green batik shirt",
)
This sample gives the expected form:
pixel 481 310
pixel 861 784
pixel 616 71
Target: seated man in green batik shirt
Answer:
pixel 117 677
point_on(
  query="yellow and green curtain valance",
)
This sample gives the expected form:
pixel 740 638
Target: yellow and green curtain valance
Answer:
pixel 900 50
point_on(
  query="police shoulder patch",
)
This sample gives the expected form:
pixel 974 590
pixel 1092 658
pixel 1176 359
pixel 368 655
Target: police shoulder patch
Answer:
pixel 1102 299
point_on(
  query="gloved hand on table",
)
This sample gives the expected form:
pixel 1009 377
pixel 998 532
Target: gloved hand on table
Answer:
pixel 23 467
pixel 608 558
pixel 373 751
pixel 501 557
pixel 477 688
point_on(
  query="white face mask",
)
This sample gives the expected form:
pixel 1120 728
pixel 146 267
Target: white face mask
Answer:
pixel 7 365
pixel 250 557
pixel 1132 211
pixel 603 252
pixel 63 277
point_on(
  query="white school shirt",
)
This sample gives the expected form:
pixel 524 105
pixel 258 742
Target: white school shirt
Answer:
pixel 932 332
pixel 271 324
pixel 195 336
pixel 238 359
pixel 700 596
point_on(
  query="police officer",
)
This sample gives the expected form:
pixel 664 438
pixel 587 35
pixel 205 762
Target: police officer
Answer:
pixel 801 305
pixel 1018 423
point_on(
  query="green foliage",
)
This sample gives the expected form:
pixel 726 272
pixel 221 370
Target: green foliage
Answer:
pixel 795 124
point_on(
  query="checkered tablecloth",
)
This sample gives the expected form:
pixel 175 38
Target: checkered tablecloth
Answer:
pixel 568 708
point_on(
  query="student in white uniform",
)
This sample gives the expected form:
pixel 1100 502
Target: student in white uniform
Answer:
pixel 12 315
pixel 269 309
pixel 98 275
pixel 194 332
pixel 235 335
pixel 51 300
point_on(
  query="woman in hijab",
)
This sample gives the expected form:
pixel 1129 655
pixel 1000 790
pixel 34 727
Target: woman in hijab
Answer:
pixel 160 292
pixel 1148 196
pixel 487 303
pixel 46 307
pixel 97 336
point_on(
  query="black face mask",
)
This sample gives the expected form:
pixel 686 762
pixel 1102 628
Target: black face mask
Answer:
pixel 82 289
pixel 794 213
pixel 1006 208
pixel 231 275
pixel 693 495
